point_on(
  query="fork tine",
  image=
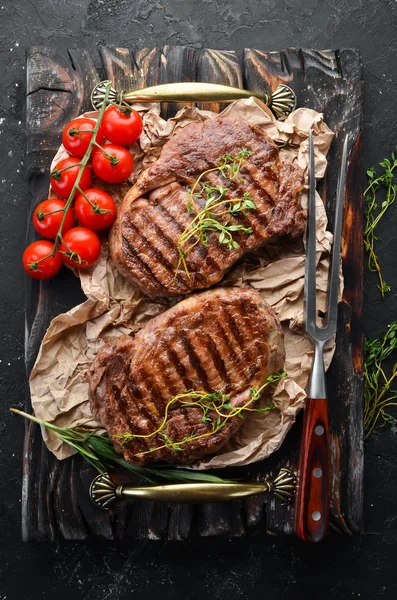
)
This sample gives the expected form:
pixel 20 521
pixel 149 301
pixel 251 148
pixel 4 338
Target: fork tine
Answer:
pixel 332 312
pixel 310 268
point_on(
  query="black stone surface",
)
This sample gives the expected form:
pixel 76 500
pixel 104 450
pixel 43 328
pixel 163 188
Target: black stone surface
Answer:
pixel 255 567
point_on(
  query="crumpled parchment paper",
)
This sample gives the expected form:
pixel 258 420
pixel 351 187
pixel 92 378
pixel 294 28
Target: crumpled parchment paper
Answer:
pixel 114 306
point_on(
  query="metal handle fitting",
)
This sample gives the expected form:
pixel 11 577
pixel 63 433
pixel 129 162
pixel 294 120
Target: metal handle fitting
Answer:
pixel 281 102
pixel 104 491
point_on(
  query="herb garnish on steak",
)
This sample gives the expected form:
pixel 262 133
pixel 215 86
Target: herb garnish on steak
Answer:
pixel 155 212
pixel 223 342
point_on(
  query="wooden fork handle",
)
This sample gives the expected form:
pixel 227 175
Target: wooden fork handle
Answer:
pixel 312 497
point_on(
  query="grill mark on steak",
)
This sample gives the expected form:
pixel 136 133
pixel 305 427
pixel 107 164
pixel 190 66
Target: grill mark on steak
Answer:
pixel 137 399
pixel 154 252
pixel 221 332
pixel 181 371
pixel 140 263
pixel 200 250
pixel 233 326
pixel 171 219
pixel 163 379
pixel 150 386
pixel 177 364
pixel 234 360
pixel 256 219
pixel 246 311
pixel 194 360
pixel 236 189
pixel 161 236
pixel 250 170
pixel 218 362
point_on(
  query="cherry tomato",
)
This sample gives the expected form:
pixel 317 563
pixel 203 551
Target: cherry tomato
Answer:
pixel 62 183
pixel 76 138
pixel 48 215
pixel 99 216
pixel 35 266
pixel 113 167
pixel 121 126
pixel 81 247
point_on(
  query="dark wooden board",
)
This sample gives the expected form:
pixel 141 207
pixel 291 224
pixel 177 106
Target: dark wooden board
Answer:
pixel 55 500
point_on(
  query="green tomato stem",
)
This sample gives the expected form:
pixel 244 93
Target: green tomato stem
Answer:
pixel 83 164
pixel 113 159
pixel 95 208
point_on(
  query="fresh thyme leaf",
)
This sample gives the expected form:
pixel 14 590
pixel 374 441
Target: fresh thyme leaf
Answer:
pixel 208 218
pixel 209 402
pixel 375 210
pixel 378 392
pixel 255 395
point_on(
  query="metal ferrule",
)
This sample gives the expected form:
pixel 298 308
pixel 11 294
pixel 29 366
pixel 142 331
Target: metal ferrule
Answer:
pixel 316 387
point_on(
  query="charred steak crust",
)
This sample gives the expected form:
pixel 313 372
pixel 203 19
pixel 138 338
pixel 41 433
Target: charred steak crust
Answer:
pixel 153 214
pixel 225 339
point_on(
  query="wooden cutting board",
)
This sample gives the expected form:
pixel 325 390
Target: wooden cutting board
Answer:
pixel 55 501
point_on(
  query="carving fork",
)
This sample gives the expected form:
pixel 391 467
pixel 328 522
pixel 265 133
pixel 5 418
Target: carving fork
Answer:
pixel 312 496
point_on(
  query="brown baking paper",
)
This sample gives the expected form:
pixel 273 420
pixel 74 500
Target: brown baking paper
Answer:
pixel 114 306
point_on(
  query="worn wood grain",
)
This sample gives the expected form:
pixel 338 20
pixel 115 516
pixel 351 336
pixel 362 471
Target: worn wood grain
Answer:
pixel 55 94
pixel 177 63
pixel 55 494
pixel 120 67
pixel 217 66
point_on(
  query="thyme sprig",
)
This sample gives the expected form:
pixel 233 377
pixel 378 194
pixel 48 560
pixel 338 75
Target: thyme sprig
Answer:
pixel 98 450
pixel 374 212
pixel 206 219
pixel 378 392
pixel 217 411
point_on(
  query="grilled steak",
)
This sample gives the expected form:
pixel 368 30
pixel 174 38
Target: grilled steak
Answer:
pixel 220 340
pixel 155 212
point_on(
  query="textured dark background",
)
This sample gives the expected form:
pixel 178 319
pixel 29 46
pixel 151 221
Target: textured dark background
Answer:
pixel 259 566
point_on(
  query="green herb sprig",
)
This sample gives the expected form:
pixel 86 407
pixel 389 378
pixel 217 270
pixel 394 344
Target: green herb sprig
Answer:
pixel 98 450
pixel 216 205
pixel 217 411
pixel 378 392
pixel 374 212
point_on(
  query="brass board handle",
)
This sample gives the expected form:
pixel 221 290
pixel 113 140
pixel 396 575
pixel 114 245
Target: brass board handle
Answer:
pixel 104 491
pixel 281 102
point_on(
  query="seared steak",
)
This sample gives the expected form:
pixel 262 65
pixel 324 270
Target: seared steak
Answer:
pixel 155 212
pixel 221 340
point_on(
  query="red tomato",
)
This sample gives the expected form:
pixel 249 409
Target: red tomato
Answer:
pixel 76 138
pixel 81 247
pixel 121 126
pixel 35 262
pixel 113 167
pixel 62 183
pixel 101 214
pixel 48 215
